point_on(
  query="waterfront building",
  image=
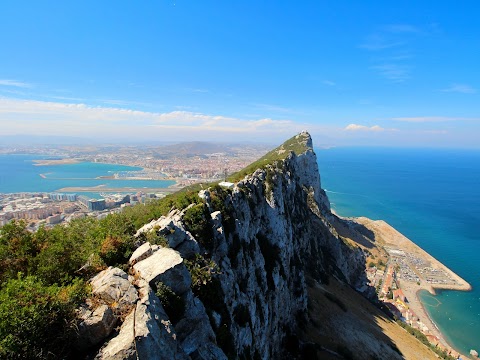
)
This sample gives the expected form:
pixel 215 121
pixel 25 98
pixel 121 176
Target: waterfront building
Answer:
pixel 83 200
pixel 71 197
pixel 96 205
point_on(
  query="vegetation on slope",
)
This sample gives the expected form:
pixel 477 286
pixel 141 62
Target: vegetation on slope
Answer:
pixel 43 275
pixel 296 144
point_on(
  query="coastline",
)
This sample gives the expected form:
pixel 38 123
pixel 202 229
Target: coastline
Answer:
pixel 389 237
pixel 75 189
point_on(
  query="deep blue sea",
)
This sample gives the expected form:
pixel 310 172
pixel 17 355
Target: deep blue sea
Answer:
pixel 19 174
pixel 433 198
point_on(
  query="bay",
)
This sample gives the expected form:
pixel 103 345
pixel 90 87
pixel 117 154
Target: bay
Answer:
pixel 19 174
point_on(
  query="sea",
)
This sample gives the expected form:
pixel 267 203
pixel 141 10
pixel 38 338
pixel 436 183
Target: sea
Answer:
pixel 18 173
pixel 432 196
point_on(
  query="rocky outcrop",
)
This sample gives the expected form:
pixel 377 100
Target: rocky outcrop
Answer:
pixel 173 230
pixel 166 266
pixel 266 236
pixel 113 288
pixel 94 326
pixel 146 333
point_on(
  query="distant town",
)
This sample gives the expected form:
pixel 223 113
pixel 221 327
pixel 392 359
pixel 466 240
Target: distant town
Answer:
pixel 185 163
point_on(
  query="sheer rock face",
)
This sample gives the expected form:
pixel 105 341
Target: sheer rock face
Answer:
pixel 273 230
pixel 281 232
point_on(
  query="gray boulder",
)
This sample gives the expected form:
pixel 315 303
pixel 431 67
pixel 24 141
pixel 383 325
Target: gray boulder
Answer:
pixel 112 286
pixel 145 334
pixel 166 266
pixel 94 327
pixel 141 253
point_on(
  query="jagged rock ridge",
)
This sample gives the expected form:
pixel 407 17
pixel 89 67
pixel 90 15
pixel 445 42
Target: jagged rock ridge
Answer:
pixel 268 235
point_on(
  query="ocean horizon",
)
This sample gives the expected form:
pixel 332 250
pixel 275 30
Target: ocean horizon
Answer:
pixel 429 195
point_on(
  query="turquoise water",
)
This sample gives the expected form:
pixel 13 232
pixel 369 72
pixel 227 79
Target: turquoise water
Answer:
pixel 432 197
pixel 18 174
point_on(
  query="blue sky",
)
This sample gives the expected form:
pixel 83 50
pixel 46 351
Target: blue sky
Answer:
pixel 399 73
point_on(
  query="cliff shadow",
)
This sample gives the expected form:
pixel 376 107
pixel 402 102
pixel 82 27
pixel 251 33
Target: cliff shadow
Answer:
pixel 350 229
pixel 344 325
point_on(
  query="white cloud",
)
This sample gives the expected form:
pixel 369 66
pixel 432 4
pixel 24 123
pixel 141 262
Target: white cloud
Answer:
pixel 374 128
pixel 54 118
pixel 15 83
pixel 460 88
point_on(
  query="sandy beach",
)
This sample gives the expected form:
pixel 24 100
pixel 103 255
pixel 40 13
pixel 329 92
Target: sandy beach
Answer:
pixel 389 237
pixel 55 162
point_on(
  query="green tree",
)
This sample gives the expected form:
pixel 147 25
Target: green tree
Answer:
pixel 35 319
pixel 18 249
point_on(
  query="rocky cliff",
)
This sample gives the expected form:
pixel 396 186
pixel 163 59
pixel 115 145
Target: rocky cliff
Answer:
pixel 228 277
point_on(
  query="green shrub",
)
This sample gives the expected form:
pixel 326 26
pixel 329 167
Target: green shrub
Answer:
pixel 196 220
pixel 18 248
pixel 274 157
pixel 36 319
pixel 173 304
pixel 202 271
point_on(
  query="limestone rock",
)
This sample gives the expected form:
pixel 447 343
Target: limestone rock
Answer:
pixel 94 326
pixel 165 265
pixel 172 228
pixel 141 253
pixel 146 333
pixel 194 329
pixel 188 249
pixel 208 351
pixel 112 286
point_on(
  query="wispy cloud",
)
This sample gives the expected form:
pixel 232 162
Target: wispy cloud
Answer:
pixel 54 118
pixel 426 119
pixel 273 108
pixel 376 42
pixel 393 72
pixel 15 83
pixel 392 50
pixel 67 98
pixel 374 128
pixel 460 88
pixel 329 83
